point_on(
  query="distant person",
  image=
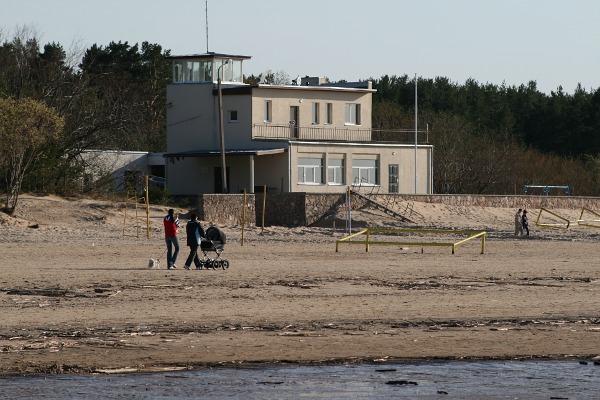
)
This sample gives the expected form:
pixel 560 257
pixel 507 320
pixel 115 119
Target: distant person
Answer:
pixel 525 223
pixel 518 223
pixel 195 233
pixel 171 223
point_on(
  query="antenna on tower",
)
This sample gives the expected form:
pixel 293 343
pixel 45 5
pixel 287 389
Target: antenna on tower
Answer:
pixel 207 26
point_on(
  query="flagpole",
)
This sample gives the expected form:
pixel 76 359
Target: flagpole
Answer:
pixel 416 135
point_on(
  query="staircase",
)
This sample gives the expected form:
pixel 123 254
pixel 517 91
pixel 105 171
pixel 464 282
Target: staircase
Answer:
pixel 381 207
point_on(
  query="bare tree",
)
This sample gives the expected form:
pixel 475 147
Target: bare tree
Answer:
pixel 275 78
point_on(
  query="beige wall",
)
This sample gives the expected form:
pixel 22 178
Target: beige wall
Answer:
pixel 192 118
pixel 403 155
pixel 189 176
pixel 304 97
pixel 272 170
pixel 238 135
pixel 193 115
pixel 195 175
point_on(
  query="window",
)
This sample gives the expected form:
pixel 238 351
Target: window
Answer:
pixel 178 71
pixel 190 70
pixel 194 71
pixel 315 113
pixel 352 114
pixel 310 170
pixel 393 178
pixel 268 110
pixel 206 71
pixel 329 113
pixel 365 172
pixel 233 115
pixel 335 172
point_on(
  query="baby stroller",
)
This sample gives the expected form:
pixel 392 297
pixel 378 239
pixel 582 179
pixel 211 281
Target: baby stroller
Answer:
pixel 214 241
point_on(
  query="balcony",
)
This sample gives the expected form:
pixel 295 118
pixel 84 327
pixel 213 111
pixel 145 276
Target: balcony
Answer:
pixel 333 134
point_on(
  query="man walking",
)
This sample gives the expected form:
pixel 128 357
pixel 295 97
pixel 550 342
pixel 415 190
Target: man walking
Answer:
pixel 195 233
pixel 171 223
pixel 518 224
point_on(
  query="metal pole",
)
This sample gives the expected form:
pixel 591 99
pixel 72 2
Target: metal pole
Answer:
pixel 147 210
pixel 222 131
pixel 416 136
pixel 206 4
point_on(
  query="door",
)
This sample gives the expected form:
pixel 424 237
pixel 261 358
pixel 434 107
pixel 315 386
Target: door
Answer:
pixel 393 178
pixel 218 179
pixel 294 122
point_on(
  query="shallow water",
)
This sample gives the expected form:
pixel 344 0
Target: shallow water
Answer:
pixel 426 380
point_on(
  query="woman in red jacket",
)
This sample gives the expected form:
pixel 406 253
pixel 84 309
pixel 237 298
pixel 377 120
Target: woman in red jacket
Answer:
pixel 171 223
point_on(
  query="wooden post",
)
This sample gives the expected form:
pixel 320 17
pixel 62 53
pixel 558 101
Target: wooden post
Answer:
pixel 264 208
pixel 243 216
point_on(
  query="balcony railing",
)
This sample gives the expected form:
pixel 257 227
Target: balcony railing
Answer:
pixel 318 133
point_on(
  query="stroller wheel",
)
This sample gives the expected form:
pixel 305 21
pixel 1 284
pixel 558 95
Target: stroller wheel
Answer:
pixel 224 264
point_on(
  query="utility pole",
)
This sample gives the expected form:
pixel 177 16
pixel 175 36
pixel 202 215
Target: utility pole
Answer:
pixel 222 129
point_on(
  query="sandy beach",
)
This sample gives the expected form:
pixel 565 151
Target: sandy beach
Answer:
pixel 76 295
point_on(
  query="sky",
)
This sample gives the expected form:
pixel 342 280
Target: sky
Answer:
pixel 555 43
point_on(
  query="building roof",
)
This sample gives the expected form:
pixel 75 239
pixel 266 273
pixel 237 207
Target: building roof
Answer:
pixel 210 153
pixel 247 89
pixel 211 54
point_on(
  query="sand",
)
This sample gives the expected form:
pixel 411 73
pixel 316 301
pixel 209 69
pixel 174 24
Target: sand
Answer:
pixel 76 295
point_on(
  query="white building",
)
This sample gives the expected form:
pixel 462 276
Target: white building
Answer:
pixel 310 137
pixel 119 166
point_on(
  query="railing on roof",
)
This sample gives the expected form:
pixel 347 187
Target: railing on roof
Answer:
pixel 319 133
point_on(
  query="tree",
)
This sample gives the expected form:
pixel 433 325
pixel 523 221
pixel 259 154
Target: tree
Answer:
pixel 269 77
pixel 26 127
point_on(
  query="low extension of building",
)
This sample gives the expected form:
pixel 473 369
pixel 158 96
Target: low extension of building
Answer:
pixel 225 136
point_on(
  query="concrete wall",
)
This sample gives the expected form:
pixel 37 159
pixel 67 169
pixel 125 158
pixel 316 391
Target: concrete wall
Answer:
pixel 226 209
pixel 98 163
pixel 304 209
pixel 548 202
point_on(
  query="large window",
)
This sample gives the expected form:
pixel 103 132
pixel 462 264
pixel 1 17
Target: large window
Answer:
pixel 193 71
pixel 329 113
pixel 268 111
pixel 206 68
pixel 315 113
pixel 190 70
pixel 365 172
pixel 335 171
pixel 310 170
pixel 352 114
pixel 178 71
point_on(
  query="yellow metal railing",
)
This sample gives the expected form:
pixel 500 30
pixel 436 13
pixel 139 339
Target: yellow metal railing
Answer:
pixel 553 225
pixel 367 232
pixel 583 222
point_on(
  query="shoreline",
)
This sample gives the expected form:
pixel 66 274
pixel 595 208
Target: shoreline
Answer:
pixel 60 369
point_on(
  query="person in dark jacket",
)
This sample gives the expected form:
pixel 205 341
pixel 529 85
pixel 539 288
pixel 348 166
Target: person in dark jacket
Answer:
pixel 524 222
pixel 171 223
pixel 195 233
